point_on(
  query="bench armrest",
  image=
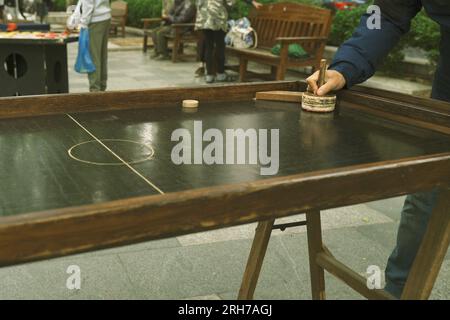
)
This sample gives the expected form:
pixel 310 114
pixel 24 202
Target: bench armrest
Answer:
pixel 289 40
pixel 182 25
pixel 151 20
pixel 148 21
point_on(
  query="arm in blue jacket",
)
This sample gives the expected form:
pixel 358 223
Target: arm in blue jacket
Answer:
pixel 358 58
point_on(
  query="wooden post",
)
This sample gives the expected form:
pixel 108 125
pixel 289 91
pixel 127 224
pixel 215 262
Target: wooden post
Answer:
pixel 242 68
pixel 281 69
pixel 432 251
pixel 255 259
pixel 314 229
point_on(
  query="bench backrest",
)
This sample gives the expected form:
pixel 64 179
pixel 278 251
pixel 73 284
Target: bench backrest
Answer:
pixel 119 9
pixel 286 19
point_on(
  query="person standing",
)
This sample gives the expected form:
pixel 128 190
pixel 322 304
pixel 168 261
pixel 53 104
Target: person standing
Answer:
pixel 96 16
pixel 42 9
pixel 182 11
pixel 355 62
pixel 212 17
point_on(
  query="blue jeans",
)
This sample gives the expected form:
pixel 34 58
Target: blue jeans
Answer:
pixel 413 223
pixel 418 207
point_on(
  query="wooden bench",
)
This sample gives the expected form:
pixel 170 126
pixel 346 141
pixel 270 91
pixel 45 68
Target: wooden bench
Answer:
pixel 285 24
pixel 182 34
pixel 119 14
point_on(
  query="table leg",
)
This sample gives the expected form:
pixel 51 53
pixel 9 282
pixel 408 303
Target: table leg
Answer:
pixel 432 251
pixel 315 246
pixel 255 259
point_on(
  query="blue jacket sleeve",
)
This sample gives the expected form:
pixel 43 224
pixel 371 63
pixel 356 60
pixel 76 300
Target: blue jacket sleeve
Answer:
pixel 358 58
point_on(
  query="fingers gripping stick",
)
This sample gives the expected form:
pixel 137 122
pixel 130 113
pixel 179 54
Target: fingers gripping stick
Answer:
pixel 314 103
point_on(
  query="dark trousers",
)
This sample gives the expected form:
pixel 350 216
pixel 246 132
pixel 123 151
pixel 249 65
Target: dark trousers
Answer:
pixel 418 207
pixel 160 40
pixel 214 39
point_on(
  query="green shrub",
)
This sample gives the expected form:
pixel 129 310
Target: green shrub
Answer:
pixel 344 23
pixel 424 34
pixel 138 9
pixel 59 5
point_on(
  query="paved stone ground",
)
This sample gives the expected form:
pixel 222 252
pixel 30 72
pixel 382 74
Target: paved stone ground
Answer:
pixel 210 265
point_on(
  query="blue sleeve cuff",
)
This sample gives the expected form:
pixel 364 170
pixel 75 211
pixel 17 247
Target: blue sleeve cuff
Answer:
pixel 348 70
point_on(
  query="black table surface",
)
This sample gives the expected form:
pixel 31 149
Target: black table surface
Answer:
pixel 37 173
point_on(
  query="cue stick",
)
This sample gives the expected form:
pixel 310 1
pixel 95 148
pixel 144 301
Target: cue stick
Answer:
pixel 322 72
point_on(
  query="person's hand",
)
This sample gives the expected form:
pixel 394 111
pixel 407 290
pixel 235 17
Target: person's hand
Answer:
pixel 256 4
pixel 334 81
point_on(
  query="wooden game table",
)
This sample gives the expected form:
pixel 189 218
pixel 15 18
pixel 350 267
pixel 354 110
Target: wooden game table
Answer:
pixel 64 191
pixel 35 63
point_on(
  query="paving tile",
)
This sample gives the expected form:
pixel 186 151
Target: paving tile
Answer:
pixel 148 245
pixel 391 207
pixel 335 218
pixel 441 288
pixel 101 278
pixel 200 270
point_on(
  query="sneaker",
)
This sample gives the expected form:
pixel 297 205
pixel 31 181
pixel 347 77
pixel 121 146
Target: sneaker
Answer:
pixel 222 77
pixel 209 78
pixel 163 57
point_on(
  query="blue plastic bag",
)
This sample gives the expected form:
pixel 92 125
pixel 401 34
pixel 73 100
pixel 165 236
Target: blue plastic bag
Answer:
pixel 84 62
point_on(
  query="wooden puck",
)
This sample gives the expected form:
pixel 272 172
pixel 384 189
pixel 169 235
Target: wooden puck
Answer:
pixel 190 103
pixel 313 103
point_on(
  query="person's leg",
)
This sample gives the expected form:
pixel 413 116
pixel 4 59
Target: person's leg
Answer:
pixel 209 54
pixel 95 48
pixel 418 207
pixel 154 36
pixel 219 41
pixel 104 75
pixel 413 223
pixel 441 83
pixel 162 41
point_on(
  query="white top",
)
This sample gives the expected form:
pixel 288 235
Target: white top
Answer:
pixel 94 11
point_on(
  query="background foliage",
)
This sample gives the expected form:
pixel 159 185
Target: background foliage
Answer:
pixel 424 34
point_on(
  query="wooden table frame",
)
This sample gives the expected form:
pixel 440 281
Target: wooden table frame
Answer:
pixel 52 233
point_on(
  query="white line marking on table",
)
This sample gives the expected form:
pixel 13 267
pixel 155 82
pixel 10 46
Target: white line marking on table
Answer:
pixel 117 156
